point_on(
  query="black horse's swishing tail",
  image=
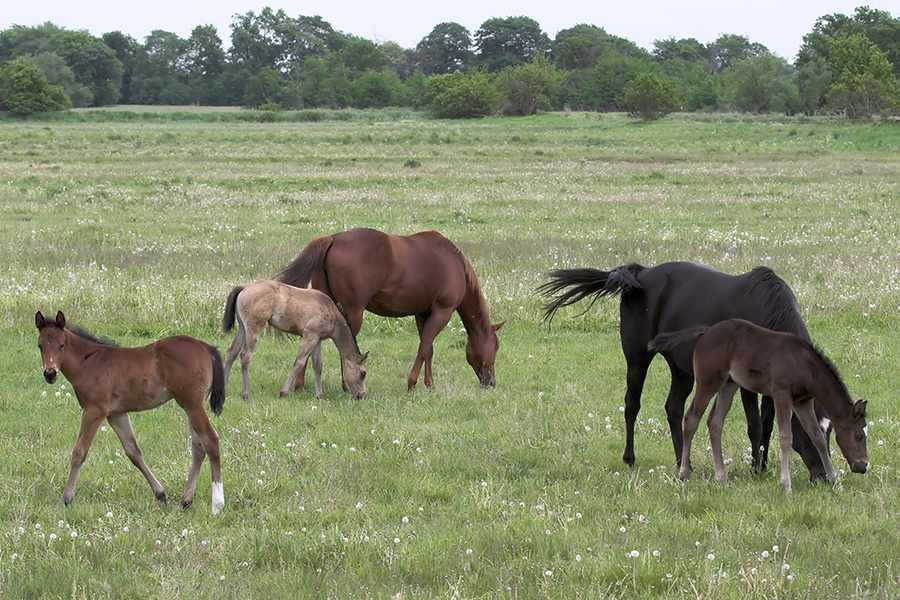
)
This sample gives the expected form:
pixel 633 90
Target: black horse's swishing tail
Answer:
pixel 230 304
pixel 669 341
pixel 217 389
pixel 586 282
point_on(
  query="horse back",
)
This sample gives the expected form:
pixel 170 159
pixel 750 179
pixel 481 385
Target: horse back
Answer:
pixel 393 275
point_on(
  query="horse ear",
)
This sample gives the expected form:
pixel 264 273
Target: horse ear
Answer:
pixel 39 319
pixel 859 409
pixel 61 319
pixel 364 357
pixel 496 326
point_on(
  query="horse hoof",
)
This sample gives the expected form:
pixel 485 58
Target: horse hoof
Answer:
pixel 161 498
pixel 186 503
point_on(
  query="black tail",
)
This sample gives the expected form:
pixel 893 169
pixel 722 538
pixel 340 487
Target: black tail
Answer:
pixel 587 282
pixel 217 389
pixel 669 341
pixel 230 303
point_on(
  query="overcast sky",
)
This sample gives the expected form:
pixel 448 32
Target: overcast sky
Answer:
pixel 777 24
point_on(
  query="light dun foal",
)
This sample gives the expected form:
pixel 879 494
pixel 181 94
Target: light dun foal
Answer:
pixel 308 313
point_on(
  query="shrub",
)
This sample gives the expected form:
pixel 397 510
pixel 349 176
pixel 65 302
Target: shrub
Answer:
pixel 458 96
pixel 24 90
pixel 648 97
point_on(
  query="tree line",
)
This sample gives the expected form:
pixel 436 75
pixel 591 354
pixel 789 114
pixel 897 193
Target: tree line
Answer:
pixel 847 65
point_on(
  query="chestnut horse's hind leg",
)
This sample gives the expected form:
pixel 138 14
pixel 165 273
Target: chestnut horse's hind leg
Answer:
pixel 121 424
pixel 429 380
pixel 209 442
pixel 90 423
pixel 197 454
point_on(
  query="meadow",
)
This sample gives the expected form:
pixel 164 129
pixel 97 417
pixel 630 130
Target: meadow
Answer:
pixel 138 229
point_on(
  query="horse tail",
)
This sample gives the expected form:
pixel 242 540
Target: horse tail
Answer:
pixel 230 309
pixel 585 282
pixel 300 270
pixel 669 341
pixel 217 389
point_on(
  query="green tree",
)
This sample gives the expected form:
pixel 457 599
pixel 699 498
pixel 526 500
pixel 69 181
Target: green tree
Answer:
pixel 204 64
pixel 269 87
pixel 730 48
pixel 461 95
pixel 447 48
pixel 761 85
pixel 686 49
pixel 509 42
pixel 125 49
pixel 813 78
pixel 160 70
pixel 878 26
pixel 58 73
pixel 528 88
pixel 24 90
pixel 864 83
pixel 603 88
pixel 649 97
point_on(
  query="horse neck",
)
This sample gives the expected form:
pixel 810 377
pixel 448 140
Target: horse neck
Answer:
pixel 344 340
pixel 473 311
pixel 829 390
pixel 77 351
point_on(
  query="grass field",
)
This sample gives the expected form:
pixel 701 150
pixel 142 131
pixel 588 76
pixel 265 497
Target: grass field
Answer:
pixel 138 230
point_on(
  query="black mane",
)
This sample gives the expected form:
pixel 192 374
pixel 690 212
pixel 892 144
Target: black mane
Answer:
pixel 90 336
pixel 783 309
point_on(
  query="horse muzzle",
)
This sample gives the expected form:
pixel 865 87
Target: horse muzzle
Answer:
pixel 860 466
pixel 489 382
pixel 50 375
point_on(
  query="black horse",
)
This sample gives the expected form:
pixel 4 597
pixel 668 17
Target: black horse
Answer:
pixel 679 295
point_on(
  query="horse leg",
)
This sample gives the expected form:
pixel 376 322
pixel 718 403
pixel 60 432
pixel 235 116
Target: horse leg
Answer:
pixel 636 374
pixel 252 332
pixel 434 323
pixel 804 446
pixel 806 415
pixel 698 406
pixel 754 427
pixel 121 424
pixel 429 380
pixel 307 345
pixel 234 349
pixel 679 390
pixel 715 423
pixel 90 422
pixel 783 409
pixel 209 444
pixel 767 418
pixel 316 356
pixel 197 454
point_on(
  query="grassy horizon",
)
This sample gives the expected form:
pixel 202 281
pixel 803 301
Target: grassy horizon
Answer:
pixel 138 230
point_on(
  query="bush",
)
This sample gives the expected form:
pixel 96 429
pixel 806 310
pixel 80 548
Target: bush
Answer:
pixel 24 90
pixel 526 89
pixel 648 97
pixel 459 96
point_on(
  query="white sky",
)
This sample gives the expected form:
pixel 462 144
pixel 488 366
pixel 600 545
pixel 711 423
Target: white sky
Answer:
pixel 777 24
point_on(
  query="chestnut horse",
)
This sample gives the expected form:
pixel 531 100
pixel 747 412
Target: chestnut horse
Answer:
pixel 678 295
pixel 423 274
pixel 110 382
pixel 784 366
pixel 308 313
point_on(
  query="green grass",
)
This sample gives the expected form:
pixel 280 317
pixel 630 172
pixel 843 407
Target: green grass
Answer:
pixel 138 228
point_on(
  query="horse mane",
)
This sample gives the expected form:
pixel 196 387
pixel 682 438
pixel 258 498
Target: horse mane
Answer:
pixel 783 311
pixel 86 335
pixel 831 367
pixel 472 284
pixel 343 312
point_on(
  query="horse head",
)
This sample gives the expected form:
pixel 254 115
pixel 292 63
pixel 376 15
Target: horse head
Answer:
pixel 52 343
pixel 354 375
pixel 851 436
pixel 481 351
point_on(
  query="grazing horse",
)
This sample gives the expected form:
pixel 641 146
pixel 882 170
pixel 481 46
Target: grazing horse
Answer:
pixel 784 366
pixel 308 313
pixel 111 381
pixel 423 274
pixel 678 295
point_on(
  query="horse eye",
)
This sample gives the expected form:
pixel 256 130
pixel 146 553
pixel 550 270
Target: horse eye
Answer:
pixel 362 375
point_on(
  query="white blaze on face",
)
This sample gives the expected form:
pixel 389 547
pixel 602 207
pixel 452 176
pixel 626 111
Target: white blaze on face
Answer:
pixel 866 431
pixel 218 497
